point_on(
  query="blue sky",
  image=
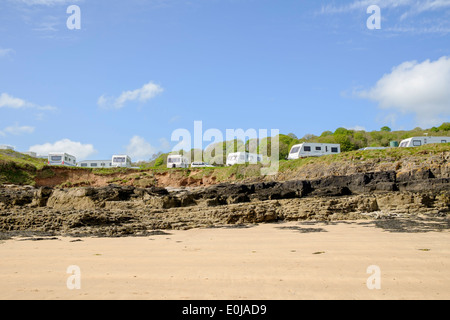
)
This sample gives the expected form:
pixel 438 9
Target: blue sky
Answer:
pixel 139 69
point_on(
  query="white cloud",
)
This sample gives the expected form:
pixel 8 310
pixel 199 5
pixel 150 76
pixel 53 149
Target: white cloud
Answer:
pixel 139 149
pixel 5 52
pixel 7 101
pixel 18 130
pixel 147 92
pixel 79 150
pixel 416 88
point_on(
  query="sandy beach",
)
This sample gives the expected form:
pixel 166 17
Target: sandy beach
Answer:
pixel 281 261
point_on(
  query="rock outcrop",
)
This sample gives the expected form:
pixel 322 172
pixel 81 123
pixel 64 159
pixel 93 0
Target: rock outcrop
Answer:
pixel 127 210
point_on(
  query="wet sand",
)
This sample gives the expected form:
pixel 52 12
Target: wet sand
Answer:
pixel 282 261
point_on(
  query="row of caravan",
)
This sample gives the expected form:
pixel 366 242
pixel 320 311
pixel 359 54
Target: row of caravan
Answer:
pixel 179 161
pixel 65 159
pixel 302 150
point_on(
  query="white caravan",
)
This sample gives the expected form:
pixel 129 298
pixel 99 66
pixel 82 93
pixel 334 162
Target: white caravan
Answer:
pixel 121 161
pixel 177 161
pixel 242 158
pixel 61 159
pixel 313 150
pixel 95 164
pixel 420 141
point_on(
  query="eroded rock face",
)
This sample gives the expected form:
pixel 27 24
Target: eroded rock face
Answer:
pixel 124 210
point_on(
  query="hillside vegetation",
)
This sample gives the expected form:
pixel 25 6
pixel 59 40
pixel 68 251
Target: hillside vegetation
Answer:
pixel 20 169
pixel 350 140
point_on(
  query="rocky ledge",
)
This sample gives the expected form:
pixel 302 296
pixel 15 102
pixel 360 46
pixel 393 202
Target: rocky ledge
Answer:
pixel 127 210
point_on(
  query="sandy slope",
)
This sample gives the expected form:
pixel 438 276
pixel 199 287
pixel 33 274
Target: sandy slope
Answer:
pixel 270 261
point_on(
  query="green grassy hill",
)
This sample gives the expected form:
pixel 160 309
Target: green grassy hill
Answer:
pixel 350 140
pixel 18 168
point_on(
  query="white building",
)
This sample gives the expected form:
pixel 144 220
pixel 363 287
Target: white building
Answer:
pixel 95 164
pixel 5 147
pixel 242 158
pixel 61 159
pixel 307 149
pixel 420 141
pixel 177 161
pixel 121 161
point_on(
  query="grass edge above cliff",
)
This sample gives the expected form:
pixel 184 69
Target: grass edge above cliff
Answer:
pixel 20 169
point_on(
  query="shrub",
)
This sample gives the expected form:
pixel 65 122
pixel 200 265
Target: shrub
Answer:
pixel 159 162
pixel 445 126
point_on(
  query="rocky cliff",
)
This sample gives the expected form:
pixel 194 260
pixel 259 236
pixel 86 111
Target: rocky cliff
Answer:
pixel 115 210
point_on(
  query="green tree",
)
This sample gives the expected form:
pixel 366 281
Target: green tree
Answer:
pixel 342 131
pixel 345 142
pixel 159 162
pixel 326 133
pixel 386 129
pixel 445 126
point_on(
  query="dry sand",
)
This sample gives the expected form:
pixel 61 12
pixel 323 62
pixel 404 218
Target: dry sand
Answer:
pixel 271 261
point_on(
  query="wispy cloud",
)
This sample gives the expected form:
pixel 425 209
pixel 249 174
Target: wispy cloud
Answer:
pixel 8 101
pixel 5 52
pixel 50 23
pixel 144 94
pixel 411 6
pixel 16 129
pixel 404 16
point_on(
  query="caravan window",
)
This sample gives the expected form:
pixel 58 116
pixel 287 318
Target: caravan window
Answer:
pixel 93 164
pixel 84 165
pixel 318 148
pixel 295 150
pixel 121 159
pixel 417 143
pixel 307 148
pixel 56 158
pixel 334 150
pixel 443 141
